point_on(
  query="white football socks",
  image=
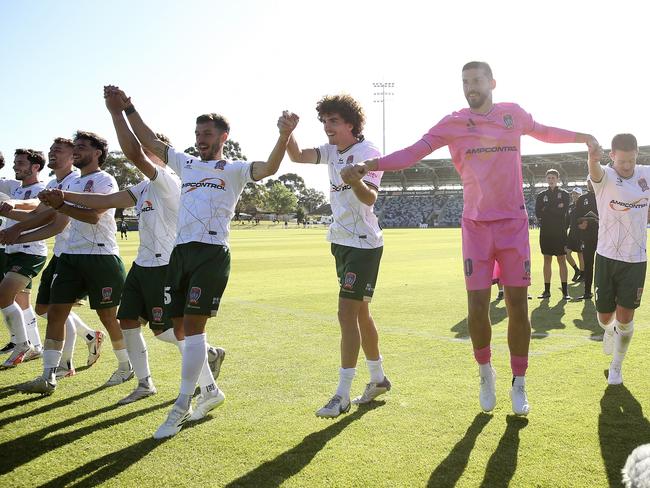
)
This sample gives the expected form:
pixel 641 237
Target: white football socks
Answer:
pixel 137 352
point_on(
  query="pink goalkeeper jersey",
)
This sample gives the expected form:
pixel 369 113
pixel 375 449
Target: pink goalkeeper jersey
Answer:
pixel 485 149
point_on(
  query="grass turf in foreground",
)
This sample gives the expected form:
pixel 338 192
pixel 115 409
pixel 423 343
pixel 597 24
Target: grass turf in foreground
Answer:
pixel 278 324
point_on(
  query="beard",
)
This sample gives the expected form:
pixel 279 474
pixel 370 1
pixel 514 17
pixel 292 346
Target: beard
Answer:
pixel 83 162
pixel 210 153
pixel 476 102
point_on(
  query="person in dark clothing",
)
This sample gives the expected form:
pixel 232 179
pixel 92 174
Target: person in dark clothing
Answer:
pixel 573 239
pixel 587 217
pixel 551 210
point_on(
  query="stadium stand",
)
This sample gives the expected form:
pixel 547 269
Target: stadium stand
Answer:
pixel 431 193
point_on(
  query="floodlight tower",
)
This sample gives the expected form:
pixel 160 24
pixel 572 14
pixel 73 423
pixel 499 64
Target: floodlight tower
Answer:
pixel 383 94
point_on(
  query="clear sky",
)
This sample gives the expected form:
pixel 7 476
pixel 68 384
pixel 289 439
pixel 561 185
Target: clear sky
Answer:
pixel 579 65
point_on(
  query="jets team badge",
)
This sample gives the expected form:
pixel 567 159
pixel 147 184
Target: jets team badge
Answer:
pixel 195 294
pixel 157 313
pixel 507 120
pixel 220 165
pixel 89 186
pixel 643 184
pixel 107 292
pixel 28 193
pixel 350 159
pixel 349 280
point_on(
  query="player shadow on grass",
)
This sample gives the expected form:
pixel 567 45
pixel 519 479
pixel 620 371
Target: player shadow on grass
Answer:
pixel 588 321
pixel 545 318
pixel 621 427
pixel 502 464
pixel 45 440
pixel 449 471
pixel 497 314
pixel 291 462
pixel 45 408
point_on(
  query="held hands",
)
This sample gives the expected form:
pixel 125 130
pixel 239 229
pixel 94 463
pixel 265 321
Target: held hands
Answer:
pixel 52 198
pixel 352 173
pixel 287 123
pixel 5 208
pixel 594 150
pixel 115 99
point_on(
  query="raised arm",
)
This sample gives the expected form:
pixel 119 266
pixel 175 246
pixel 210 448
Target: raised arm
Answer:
pixel 287 123
pixel 128 142
pixel 595 154
pixel 298 155
pixel 145 135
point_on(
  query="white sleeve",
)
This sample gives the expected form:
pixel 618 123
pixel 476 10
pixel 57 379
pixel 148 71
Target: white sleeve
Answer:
pixel 598 187
pixel 7 186
pixel 323 153
pixel 246 171
pixel 176 159
pixel 373 177
pixel 105 184
pixel 166 184
pixel 136 190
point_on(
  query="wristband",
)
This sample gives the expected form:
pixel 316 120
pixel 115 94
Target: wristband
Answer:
pixel 129 110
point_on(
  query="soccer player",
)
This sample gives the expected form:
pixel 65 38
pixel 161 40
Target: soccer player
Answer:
pixel 587 218
pixel 89 265
pixel 60 161
pixel 24 262
pixel 622 194
pixel 200 261
pixel 551 210
pixel 356 243
pixel 484 141
pixel 573 239
pixel 156 200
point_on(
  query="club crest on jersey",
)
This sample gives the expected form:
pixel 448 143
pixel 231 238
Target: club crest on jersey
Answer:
pixel 643 184
pixel 526 270
pixel 468 266
pixel 507 120
pixel 28 194
pixel 220 165
pixel 350 159
pixel 349 280
pixel 107 292
pixel 195 294
pixel 157 313
pixel 89 186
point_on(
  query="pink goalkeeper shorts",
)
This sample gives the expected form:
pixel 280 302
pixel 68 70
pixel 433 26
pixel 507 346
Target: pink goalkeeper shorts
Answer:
pixel 504 241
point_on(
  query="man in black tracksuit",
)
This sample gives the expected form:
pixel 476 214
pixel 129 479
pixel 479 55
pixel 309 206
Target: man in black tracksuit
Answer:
pixel 587 217
pixel 551 210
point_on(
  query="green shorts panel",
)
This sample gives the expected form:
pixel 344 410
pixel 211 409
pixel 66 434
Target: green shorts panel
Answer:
pixel 28 265
pixel 618 283
pixel 197 276
pixel 101 277
pixel 143 297
pixel 43 295
pixel 357 271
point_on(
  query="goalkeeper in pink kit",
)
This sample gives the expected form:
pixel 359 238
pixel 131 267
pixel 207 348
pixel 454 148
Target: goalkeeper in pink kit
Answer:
pixel 484 142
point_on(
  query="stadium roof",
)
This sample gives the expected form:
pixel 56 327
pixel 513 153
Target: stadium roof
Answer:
pixel 436 173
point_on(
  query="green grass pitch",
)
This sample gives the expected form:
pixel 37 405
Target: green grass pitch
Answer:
pixel 278 324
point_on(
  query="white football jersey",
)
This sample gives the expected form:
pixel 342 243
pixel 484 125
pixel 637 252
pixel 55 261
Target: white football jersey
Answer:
pixel 96 238
pixel 355 223
pixel 623 214
pixel 7 186
pixel 209 192
pixel 156 202
pixel 37 248
pixel 61 239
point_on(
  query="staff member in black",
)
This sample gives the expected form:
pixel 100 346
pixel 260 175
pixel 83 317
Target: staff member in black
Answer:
pixel 551 210
pixel 587 217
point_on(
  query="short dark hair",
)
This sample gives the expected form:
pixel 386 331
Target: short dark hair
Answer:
pixel 553 172
pixel 624 142
pixel 219 121
pixel 347 107
pixel 96 141
pixel 2 160
pixel 162 137
pixel 479 65
pixel 33 156
pixel 65 141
